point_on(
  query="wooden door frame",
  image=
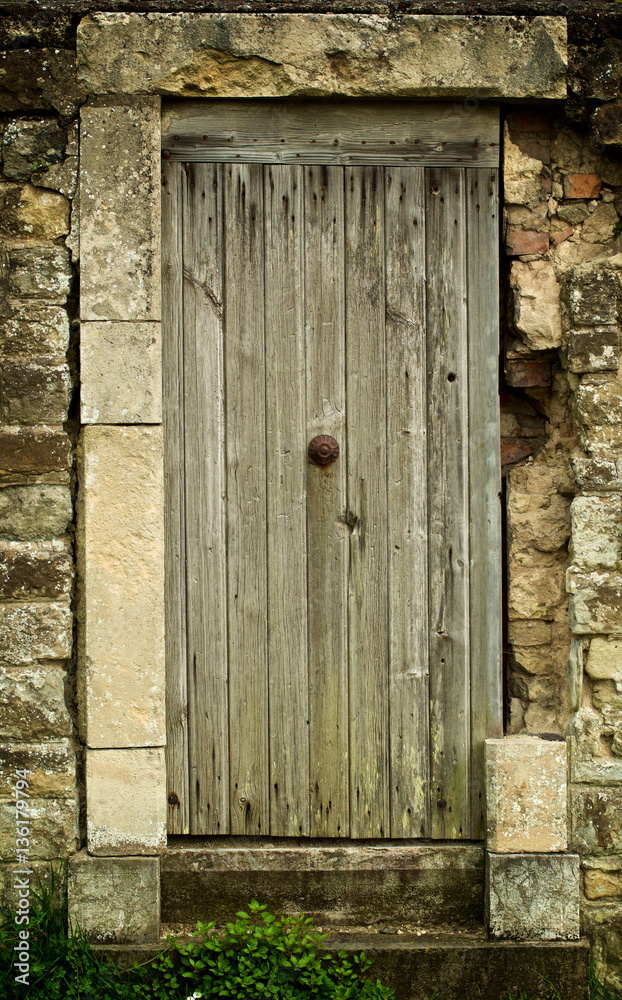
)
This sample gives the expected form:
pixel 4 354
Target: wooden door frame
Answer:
pixel 121 612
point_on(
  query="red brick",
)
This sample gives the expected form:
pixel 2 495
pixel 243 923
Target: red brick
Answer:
pixel 512 452
pixel 30 450
pixel 527 241
pixel 582 186
pixel 530 120
pixel 520 374
pixel 561 235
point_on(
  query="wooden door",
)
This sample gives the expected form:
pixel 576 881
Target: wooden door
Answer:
pixel 333 632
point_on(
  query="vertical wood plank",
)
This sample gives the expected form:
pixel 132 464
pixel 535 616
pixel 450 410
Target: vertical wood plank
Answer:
pixel 286 466
pixel 367 502
pixel 327 531
pixel 407 500
pixel 204 403
pixel 246 504
pixel 484 477
pixel 448 492
pixel 173 176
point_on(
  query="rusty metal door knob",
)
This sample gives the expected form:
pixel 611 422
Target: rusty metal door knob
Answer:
pixel 323 450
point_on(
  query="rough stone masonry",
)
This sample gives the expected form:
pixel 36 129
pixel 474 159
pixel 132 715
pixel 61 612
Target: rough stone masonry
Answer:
pixel 561 424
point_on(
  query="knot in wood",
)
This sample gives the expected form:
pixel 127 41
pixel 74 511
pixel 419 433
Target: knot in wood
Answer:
pixel 323 449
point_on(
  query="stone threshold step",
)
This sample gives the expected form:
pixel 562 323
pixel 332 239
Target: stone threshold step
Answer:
pixel 459 967
pixel 337 884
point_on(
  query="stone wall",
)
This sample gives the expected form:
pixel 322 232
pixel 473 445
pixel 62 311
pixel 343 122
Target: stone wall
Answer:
pixel 39 250
pixel 563 195
pixel 561 433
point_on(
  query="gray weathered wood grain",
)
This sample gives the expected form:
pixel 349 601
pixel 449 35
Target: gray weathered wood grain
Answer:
pixel 367 502
pixel 206 576
pixel 246 503
pixel 173 177
pixel 448 494
pixel 327 531
pixel 286 469
pixel 484 478
pixel 407 500
pixel 343 132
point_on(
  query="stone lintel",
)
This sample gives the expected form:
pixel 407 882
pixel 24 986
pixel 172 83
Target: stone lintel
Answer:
pixel 120 373
pixel 526 798
pixel 321 55
pixel 121 558
pixel 126 801
pixel 533 896
pixel 115 899
pixel 120 209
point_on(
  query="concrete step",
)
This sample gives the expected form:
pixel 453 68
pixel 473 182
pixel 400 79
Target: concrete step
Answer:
pixel 369 884
pixel 458 967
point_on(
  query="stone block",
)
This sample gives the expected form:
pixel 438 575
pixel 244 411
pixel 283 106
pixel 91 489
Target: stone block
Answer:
pixel 599 226
pixel 40 273
pixel 581 185
pixel 28 142
pixel 29 450
pixel 602 877
pixel 27 573
pixel 529 633
pixel 32 704
pixel 318 55
pixel 596 350
pixel 120 210
pixel 541 521
pixel 520 242
pixel 34 330
pixel 598 408
pixel 53 828
pixel 599 74
pixel 606 124
pixel 521 176
pixel 27 211
pixel 596 472
pixel 115 899
pixel 533 896
pixel 122 548
pixel 126 801
pixel 591 296
pixel 574 214
pixel 535 591
pixel 31 632
pixel 604 659
pixel 35 392
pixel 595 601
pixel 596 819
pixel 61 177
pixel 537 315
pixel 35 513
pixel 121 373
pixel 33 78
pixel 561 235
pixel 52 768
pixel 526 798
pixel 597 532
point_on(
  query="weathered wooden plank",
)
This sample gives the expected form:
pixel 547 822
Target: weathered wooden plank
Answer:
pixel 173 177
pixel 205 495
pixel 327 531
pixel 346 132
pixel 448 490
pixel 367 502
pixel 484 478
pixel 407 500
pixel 286 468
pixel 246 493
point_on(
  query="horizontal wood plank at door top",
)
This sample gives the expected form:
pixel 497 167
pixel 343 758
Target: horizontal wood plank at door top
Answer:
pixel 318 323
pixel 344 132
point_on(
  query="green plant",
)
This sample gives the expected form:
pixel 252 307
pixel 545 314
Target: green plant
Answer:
pixel 262 956
pixel 617 229
pixel 61 962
